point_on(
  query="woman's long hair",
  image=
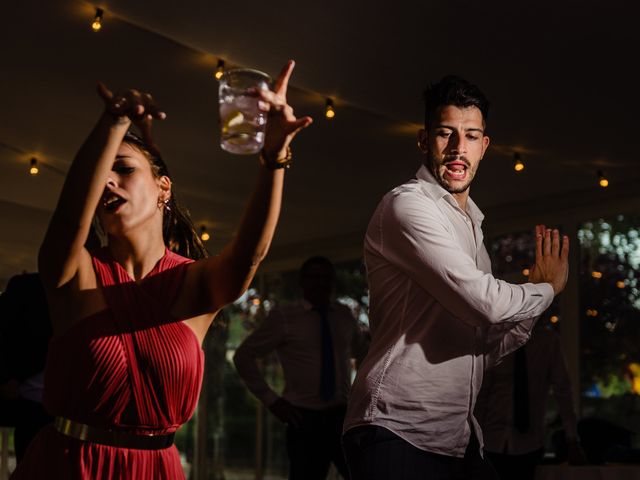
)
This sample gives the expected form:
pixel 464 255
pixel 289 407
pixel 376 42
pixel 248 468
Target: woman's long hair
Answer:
pixel 178 231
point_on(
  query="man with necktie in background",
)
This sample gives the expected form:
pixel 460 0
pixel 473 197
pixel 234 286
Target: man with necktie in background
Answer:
pixel 315 340
pixel 512 405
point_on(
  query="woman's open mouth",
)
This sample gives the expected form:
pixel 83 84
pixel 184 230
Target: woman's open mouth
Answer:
pixel 111 202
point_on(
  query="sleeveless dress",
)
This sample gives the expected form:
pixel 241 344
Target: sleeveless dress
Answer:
pixel 129 367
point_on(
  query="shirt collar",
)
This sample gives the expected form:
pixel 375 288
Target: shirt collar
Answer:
pixel 434 190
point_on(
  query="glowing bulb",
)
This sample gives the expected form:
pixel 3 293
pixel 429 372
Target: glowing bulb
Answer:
pixel 204 235
pixel 219 69
pixel 97 21
pixel 256 301
pixel 518 166
pixel 602 180
pixel 620 284
pixel 33 169
pixel 554 319
pixel 596 274
pixel 526 272
pixel 329 111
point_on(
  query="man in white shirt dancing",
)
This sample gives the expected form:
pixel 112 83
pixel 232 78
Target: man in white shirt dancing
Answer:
pixel 438 317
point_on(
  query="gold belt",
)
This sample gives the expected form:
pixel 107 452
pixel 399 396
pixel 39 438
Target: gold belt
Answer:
pixel 113 438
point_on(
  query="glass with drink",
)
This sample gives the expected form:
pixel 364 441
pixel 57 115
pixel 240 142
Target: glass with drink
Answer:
pixel 242 124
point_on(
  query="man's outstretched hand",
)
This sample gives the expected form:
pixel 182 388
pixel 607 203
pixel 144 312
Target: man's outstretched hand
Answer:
pixel 552 259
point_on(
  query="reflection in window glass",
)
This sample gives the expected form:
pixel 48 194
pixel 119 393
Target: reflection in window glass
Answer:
pixel 610 319
pixel 512 256
pixel 238 436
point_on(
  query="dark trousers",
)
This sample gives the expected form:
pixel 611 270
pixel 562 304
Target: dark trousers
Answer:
pixel 515 467
pixel 315 444
pixel 27 417
pixel 375 453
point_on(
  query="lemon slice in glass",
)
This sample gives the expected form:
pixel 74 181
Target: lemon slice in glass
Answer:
pixel 234 119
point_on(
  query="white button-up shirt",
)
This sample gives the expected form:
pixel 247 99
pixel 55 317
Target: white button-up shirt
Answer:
pixel 294 333
pixel 438 318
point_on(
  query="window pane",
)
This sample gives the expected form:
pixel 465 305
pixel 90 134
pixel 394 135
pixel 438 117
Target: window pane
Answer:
pixel 235 418
pixel 610 319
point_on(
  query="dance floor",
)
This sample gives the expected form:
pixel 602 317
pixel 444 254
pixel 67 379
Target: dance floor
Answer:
pixel 588 472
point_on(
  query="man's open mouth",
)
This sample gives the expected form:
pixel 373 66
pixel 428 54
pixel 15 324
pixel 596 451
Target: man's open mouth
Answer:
pixel 456 170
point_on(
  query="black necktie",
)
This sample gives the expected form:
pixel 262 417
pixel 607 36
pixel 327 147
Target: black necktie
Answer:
pixel 328 369
pixel 520 391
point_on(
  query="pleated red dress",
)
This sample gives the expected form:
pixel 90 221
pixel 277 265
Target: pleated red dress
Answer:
pixel 131 367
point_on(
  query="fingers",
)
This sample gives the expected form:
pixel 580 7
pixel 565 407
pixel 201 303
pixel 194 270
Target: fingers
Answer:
pixel 539 236
pixel 131 103
pixel 547 242
pixel 564 255
pixel 151 108
pixel 104 92
pixel 270 101
pixel 555 243
pixel 299 124
pixel 283 79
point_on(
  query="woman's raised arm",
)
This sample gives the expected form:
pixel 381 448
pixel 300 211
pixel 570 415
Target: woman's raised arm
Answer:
pixel 223 278
pixel 62 249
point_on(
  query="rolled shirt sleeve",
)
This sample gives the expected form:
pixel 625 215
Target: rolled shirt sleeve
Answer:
pixel 419 241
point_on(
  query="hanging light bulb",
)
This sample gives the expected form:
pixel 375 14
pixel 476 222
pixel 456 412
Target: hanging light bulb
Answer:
pixel 219 69
pixel 602 180
pixel 97 21
pixel 204 235
pixel 518 166
pixel 329 112
pixel 33 169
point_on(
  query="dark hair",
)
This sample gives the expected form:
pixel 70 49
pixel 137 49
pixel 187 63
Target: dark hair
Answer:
pixel 316 260
pixel 178 231
pixel 456 91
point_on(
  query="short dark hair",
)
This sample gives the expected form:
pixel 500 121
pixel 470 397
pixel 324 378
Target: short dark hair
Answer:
pixel 316 260
pixel 456 91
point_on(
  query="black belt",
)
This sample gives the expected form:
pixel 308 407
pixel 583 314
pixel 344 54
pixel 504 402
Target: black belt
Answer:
pixel 113 438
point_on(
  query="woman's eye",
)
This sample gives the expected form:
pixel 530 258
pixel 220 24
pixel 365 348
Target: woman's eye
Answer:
pixel 124 170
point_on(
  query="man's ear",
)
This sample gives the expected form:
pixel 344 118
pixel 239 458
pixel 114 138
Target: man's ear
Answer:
pixel 485 145
pixel 422 140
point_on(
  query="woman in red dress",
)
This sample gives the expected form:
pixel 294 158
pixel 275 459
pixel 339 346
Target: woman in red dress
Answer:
pixel 125 364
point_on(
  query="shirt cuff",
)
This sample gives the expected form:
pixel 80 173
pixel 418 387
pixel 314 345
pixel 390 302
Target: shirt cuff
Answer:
pixel 546 290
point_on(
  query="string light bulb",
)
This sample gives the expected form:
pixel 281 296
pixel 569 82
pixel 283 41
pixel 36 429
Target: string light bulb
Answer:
pixel 329 111
pixel 33 169
pixel 204 235
pixel 602 180
pixel 97 21
pixel 518 166
pixel 219 69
